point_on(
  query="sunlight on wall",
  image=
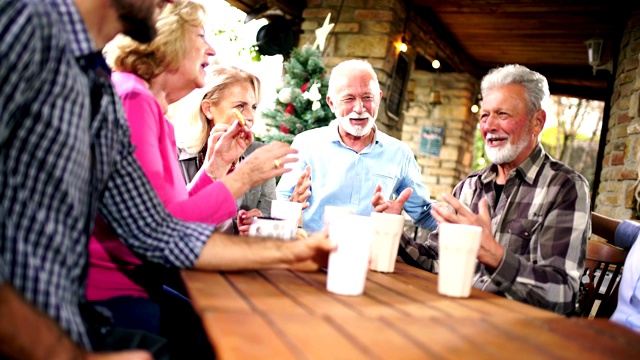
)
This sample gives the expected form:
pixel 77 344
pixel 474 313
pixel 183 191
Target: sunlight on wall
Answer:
pixel 231 38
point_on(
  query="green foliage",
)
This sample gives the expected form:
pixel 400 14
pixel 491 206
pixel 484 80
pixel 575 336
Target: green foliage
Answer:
pixel 480 159
pixel 255 54
pixel 304 66
pixel 549 140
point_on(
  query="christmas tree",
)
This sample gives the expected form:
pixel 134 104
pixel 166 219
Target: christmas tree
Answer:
pixel 300 104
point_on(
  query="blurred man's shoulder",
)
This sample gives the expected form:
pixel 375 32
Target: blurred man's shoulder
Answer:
pixel 561 169
pixel 314 133
pixel 33 13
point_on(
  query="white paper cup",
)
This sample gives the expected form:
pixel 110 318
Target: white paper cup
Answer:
pixel 331 211
pixel 285 209
pixel 387 231
pixel 272 227
pixel 458 250
pixel 348 264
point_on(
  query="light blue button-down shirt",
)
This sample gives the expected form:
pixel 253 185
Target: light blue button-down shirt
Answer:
pixel 343 177
pixel 627 312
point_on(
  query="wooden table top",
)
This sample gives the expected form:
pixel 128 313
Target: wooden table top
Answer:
pixel 283 314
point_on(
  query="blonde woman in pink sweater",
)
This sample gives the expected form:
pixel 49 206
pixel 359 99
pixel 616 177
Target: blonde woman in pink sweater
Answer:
pixel 149 77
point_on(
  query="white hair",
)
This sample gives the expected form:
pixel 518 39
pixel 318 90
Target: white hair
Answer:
pixel 348 67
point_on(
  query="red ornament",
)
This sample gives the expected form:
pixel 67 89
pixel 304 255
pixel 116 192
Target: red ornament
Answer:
pixel 290 109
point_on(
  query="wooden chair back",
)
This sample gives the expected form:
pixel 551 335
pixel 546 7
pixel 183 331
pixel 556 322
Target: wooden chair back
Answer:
pixel 602 257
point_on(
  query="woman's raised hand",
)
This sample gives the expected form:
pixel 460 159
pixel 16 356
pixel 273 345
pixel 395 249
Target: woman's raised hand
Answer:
pixel 226 144
pixel 266 162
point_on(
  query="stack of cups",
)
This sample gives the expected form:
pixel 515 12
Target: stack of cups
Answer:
pixel 333 211
pixel 386 240
pixel 458 247
pixel 349 263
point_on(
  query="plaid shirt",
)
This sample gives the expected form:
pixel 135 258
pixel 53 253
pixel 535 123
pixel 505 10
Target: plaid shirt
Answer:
pixel 66 155
pixel 543 221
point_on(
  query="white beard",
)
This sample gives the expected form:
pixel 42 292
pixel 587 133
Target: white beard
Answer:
pixel 506 153
pixel 357 130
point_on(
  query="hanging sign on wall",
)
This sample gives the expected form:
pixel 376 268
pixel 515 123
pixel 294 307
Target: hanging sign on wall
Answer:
pixel 431 140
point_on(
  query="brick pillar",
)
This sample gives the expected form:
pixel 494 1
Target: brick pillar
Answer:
pixel 622 152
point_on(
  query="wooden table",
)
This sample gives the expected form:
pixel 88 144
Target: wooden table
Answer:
pixel 282 314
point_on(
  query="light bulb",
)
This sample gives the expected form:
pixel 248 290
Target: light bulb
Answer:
pixel 435 63
pixel 475 108
pixel 403 44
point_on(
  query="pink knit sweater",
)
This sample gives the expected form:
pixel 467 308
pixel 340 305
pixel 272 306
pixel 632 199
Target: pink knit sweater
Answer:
pixel 155 147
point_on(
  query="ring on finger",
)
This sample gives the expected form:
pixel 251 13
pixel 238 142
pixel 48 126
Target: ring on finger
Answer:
pixel 276 162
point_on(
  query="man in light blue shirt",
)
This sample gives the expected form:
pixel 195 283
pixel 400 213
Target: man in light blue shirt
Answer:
pixel 351 158
pixel 627 312
pixel 625 235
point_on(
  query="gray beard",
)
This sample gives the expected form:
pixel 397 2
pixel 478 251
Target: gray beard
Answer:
pixel 356 130
pixel 505 154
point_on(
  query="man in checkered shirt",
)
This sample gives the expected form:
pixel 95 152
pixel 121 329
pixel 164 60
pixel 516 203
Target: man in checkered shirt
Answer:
pixel 534 211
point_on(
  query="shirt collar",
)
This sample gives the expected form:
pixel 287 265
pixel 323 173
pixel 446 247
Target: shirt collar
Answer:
pixel 78 37
pixel 335 134
pixel 530 166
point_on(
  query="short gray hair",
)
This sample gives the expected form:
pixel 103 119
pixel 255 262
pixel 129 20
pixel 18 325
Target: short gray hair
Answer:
pixel 349 66
pixel 535 85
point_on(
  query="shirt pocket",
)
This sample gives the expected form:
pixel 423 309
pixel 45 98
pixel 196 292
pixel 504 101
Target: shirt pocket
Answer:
pixel 521 232
pixel 387 182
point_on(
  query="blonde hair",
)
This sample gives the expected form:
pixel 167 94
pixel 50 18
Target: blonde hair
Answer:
pixel 166 51
pixel 221 79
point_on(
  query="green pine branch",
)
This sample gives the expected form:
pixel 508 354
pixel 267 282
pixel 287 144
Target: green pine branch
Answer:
pixel 304 66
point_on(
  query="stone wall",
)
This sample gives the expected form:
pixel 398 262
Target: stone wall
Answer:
pixel 621 160
pixel 441 173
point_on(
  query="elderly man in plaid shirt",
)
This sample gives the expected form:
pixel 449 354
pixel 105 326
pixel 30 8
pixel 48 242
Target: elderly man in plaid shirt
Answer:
pixel 534 211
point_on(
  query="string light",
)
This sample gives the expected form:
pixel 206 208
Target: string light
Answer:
pixel 476 105
pixel 435 63
pixel 403 45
